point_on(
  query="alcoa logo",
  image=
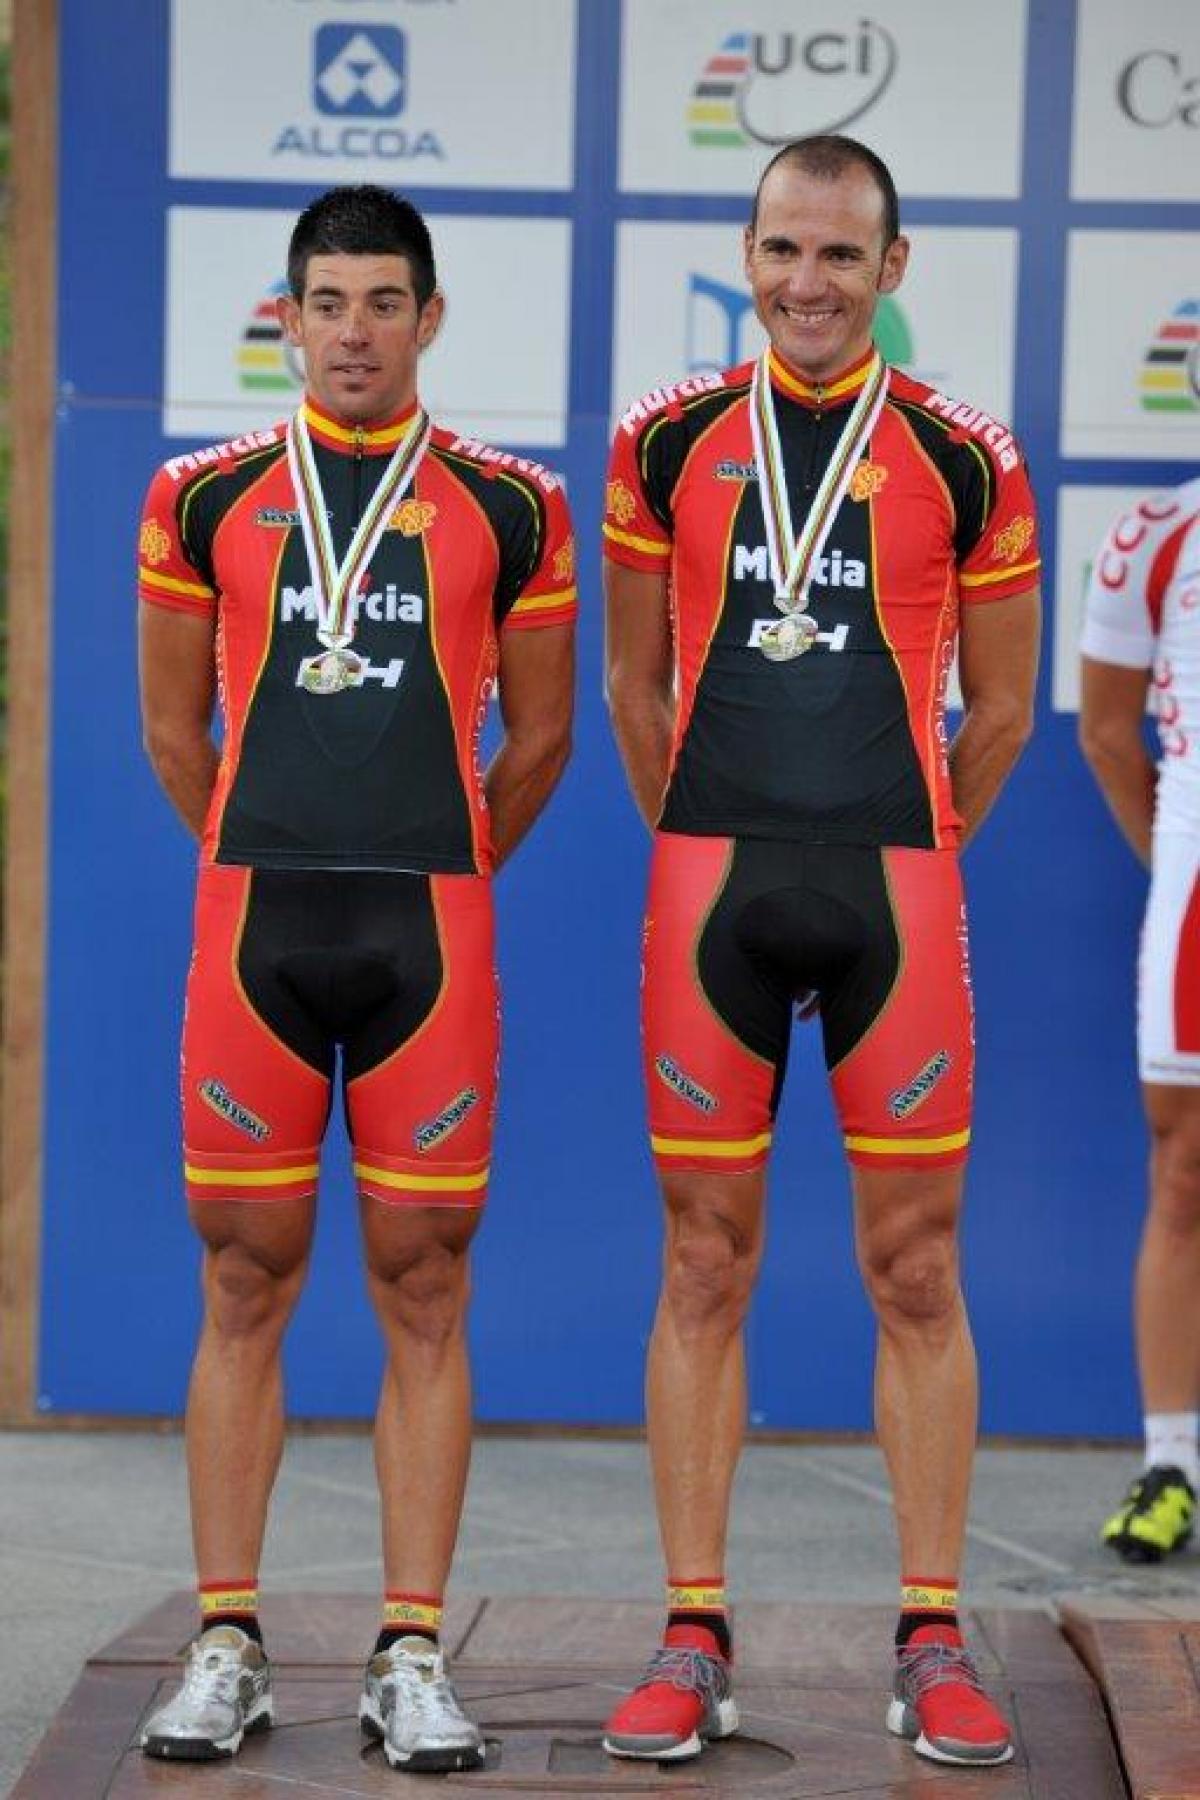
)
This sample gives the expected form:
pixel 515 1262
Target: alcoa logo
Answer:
pixel 359 70
pixel 266 362
pixel 1170 378
pixel 820 82
pixel 360 85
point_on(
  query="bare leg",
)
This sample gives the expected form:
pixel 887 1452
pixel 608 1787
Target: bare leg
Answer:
pixel 926 1400
pixel 1167 1283
pixel 696 1373
pixel 255 1258
pixel 419 1281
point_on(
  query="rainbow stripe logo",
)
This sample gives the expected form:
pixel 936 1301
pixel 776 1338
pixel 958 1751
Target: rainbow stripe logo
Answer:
pixel 712 117
pixel 266 362
pixel 1170 378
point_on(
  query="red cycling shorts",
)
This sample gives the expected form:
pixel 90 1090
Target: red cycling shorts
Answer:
pixel 738 930
pixel 396 971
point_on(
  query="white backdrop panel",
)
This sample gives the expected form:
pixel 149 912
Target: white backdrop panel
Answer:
pixel 396 91
pixel 1137 101
pixel 1131 374
pixel 505 335
pixel 712 87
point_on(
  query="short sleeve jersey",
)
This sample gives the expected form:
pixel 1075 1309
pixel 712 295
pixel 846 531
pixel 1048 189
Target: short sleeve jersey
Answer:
pixel 845 744
pixel 1143 612
pixel 384 775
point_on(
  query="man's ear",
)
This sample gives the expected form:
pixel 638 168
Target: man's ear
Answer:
pixel 895 262
pixel 287 310
pixel 430 321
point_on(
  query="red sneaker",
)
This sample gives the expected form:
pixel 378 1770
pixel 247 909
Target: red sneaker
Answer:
pixel 682 1699
pixel 939 1704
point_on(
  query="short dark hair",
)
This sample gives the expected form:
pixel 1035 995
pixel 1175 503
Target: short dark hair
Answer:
pixel 828 155
pixel 362 221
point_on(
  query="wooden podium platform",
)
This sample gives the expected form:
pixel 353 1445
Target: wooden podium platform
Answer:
pixel 541 1674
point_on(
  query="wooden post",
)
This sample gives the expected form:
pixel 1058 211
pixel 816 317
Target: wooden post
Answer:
pixel 32 259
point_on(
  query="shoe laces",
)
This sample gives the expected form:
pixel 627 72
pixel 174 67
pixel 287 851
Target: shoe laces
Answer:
pixel 420 1680
pixel 928 1666
pixel 212 1672
pixel 1150 1487
pixel 690 1671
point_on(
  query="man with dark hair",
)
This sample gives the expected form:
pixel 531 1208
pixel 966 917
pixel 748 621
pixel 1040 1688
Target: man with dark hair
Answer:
pixel 793 548
pixel 352 583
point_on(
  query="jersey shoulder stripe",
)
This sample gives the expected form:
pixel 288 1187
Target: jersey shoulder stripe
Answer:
pixel 960 420
pixel 473 453
pixel 712 390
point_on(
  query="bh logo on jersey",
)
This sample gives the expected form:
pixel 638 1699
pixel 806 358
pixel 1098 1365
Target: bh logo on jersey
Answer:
pixel 359 71
pixel 765 88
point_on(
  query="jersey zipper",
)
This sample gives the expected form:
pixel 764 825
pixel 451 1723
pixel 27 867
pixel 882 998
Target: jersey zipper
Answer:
pixel 359 442
pixel 818 418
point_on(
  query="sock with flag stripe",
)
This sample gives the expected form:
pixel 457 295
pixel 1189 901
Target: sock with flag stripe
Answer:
pixel 926 1600
pixel 701 1602
pixel 408 1615
pixel 231 1603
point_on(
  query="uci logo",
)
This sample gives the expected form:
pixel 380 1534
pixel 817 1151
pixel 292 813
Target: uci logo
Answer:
pixel 758 84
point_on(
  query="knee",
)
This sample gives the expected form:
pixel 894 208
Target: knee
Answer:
pixel 710 1267
pixel 424 1296
pixel 1175 1200
pixel 247 1296
pixel 913 1283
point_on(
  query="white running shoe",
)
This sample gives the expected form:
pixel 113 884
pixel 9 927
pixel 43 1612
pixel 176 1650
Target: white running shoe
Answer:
pixel 226 1692
pixel 408 1701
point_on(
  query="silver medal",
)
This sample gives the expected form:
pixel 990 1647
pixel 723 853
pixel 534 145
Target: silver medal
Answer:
pixel 790 636
pixel 331 671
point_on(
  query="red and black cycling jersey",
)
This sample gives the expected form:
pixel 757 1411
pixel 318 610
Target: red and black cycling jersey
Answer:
pixel 384 775
pixel 845 744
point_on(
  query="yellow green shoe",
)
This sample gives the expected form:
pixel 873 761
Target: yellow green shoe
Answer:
pixel 1154 1518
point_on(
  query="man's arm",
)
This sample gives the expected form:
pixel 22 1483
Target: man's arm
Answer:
pixel 536 682
pixel 1112 714
pixel 638 680
pixel 177 671
pixel 997 667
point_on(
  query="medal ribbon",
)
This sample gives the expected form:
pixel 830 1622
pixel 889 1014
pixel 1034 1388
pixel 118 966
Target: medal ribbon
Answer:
pixel 336 584
pixel 794 559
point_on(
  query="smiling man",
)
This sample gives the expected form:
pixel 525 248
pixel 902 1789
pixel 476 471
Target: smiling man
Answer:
pixel 352 583
pixel 793 550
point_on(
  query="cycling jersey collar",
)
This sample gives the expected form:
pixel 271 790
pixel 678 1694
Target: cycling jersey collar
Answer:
pixel 377 439
pixel 844 386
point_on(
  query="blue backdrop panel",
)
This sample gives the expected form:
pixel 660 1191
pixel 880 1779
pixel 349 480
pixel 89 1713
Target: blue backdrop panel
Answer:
pixel 567 1262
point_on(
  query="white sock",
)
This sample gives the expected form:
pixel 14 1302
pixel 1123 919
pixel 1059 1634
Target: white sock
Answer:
pixel 1172 1441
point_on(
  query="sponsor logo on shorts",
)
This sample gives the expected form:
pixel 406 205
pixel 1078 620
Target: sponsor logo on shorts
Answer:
pixel 449 1119
pixel 217 1095
pixel 687 1089
pixel 907 1099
